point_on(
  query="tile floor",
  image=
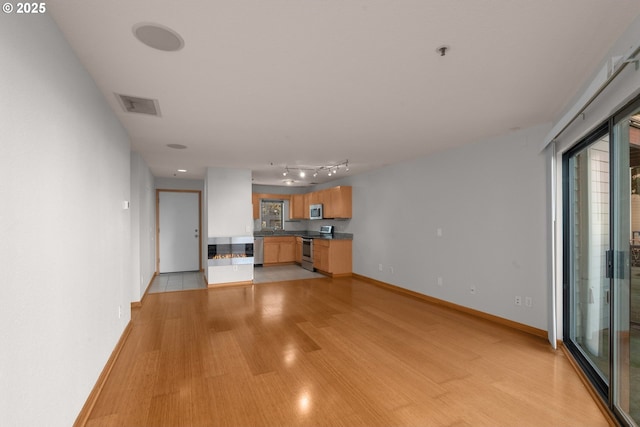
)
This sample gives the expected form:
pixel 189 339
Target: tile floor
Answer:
pixel 278 273
pixel 188 280
pixel 180 281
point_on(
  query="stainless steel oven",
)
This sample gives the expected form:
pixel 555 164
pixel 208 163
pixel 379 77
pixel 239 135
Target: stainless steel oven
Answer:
pixel 307 253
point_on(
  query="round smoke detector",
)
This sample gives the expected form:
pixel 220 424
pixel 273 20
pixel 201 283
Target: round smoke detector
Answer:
pixel 158 37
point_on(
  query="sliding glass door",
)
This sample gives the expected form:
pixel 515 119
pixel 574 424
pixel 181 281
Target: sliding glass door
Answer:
pixel 589 213
pixel 625 394
pixel 602 260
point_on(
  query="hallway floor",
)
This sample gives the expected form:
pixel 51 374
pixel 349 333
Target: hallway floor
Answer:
pixel 180 281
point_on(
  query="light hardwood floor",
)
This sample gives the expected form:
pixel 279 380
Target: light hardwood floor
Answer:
pixel 332 352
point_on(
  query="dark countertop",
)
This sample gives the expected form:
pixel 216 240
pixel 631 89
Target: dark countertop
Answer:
pixel 305 233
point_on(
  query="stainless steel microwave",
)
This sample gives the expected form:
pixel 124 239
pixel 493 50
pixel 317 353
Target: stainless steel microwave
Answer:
pixel 315 211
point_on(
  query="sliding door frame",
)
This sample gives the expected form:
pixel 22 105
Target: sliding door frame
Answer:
pixel 619 260
pixel 596 380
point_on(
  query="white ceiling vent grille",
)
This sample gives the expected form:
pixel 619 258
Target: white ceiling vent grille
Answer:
pixel 134 104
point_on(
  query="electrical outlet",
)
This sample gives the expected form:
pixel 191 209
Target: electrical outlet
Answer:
pixel 379 267
pixel 439 232
pixel 440 281
pixel 391 270
pixel 119 311
pixel 518 300
pixel 528 301
pixel 472 289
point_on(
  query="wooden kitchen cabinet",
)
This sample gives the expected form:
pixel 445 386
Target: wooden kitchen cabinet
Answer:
pixel 271 250
pixel 321 255
pixel 338 202
pixel 255 201
pixel 332 257
pixel 298 253
pixel 314 198
pixel 306 203
pixel 296 207
pixel 279 250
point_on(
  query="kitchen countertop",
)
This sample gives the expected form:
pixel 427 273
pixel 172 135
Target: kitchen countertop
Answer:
pixel 305 233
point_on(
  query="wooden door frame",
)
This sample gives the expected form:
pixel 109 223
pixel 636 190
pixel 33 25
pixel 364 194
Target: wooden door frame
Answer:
pixel 199 192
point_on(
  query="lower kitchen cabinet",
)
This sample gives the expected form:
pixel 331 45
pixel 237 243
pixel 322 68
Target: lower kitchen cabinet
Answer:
pixel 279 250
pixel 298 252
pixel 332 256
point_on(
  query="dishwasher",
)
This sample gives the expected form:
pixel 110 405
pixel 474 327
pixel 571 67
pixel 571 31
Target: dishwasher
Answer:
pixel 258 250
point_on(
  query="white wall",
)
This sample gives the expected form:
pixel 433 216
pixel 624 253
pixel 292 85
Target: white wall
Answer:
pixel 179 184
pixel 229 208
pixel 143 232
pixel 489 201
pixel 64 257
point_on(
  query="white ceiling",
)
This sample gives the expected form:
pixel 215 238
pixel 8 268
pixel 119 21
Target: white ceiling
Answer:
pixel 305 83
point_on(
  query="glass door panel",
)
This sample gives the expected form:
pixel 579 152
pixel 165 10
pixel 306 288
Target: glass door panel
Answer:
pixel 602 260
pixel 626 283
pixel 589 244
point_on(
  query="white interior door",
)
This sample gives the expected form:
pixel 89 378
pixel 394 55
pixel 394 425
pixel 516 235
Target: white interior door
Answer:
pixel 179 222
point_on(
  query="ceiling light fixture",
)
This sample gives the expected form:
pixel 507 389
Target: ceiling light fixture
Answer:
pixel 182 170
pixel 330 169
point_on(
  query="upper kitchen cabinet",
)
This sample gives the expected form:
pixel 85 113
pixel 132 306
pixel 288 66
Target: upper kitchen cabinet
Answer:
pixel 306 203
pixel 296 207
pixel 255 201
pixel 337 202
pixel 314 198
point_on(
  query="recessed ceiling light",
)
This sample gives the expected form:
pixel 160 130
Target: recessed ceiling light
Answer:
pixel 177 146
pixel 158 37
pixel 182 170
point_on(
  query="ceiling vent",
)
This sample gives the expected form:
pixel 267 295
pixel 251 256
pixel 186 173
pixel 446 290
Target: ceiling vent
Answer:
pixel 134 104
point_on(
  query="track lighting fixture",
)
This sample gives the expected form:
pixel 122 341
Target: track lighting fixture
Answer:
pixel 330 169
